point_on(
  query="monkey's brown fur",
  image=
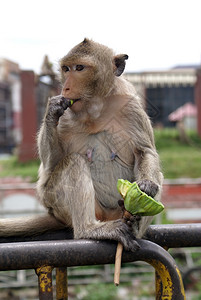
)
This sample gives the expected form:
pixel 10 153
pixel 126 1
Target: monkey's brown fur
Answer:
pixel 103 136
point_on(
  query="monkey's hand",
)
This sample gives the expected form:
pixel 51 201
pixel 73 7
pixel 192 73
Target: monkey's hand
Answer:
pixel 128 218
pixel 55 109
pixel 131 221
pixel 148 187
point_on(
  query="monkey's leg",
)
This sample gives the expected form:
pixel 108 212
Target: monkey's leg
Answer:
pixel 70 195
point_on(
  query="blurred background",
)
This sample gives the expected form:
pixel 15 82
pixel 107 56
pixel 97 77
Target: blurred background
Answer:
pixel 162 39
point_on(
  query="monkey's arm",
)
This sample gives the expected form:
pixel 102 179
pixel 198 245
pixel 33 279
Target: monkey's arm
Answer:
pixel 149 179
pixel 49 146
pixel 147 171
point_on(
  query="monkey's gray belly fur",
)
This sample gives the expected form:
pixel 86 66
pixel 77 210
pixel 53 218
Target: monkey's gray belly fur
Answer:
pixel 106 168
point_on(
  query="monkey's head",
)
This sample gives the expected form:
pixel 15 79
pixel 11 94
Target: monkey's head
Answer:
pixel 88 71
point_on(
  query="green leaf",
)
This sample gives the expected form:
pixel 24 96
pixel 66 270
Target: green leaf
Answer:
pixel 136 201
pixel 123 186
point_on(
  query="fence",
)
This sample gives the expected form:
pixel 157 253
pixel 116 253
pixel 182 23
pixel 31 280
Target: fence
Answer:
pixel 56 250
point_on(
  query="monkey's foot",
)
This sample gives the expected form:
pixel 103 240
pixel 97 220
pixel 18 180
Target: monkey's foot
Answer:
pixel 125 236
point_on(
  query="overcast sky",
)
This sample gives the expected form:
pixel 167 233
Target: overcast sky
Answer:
pixel 156 34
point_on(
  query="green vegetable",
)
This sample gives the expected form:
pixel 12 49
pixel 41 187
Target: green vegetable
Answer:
pixel 123 186
pixel 136 201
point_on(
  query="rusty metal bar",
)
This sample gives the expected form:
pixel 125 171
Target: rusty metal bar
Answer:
pixel 87 252
pixel 45 282
pixel 166 282
pixel 175 235
pixel 68 253
pixel 58 252
pixel 61 284
pixel 170 236
pixel 158 285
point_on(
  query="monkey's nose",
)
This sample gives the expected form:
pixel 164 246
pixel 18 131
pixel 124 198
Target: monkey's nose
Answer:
pixel 65 91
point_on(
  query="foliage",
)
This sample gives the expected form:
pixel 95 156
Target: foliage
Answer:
pixel 179 159
pixel 169 138
pixel 99 292
pixel 198 297
pixel 11 167
pixel 107 291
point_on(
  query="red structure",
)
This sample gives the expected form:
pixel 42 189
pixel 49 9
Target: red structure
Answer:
pixel 184 199
pixel 27 150
pixel 198 99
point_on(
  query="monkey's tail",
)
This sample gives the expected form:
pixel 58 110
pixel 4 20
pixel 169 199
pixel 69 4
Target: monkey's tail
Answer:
pixel 29 226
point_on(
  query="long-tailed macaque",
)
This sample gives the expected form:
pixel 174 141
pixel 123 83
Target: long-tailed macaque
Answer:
pixel 85 147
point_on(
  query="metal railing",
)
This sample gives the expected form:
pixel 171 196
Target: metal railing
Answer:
pixel 56 250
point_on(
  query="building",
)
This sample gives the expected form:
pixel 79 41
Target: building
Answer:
pixel 6 119
pixel 10 105
pixel 23 98
pixel 165 91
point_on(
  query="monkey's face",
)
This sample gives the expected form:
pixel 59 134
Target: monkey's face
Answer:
pixel 88 72
pixel 78 78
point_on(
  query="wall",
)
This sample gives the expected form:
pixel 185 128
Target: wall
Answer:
pixel 27 150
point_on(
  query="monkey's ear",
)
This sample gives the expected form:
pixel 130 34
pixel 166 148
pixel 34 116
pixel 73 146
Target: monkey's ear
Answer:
pixel 119 64
pixel 85 41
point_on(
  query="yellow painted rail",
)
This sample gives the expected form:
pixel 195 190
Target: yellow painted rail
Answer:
pixel 43 256
pixel 62 252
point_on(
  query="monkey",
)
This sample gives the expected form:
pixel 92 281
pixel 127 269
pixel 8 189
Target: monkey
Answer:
pixel 95 132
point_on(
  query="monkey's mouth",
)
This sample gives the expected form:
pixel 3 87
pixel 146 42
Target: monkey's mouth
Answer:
pixel 72 101
pixel 75 100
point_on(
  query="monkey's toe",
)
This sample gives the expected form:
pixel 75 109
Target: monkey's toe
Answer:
pixel 131 245
pixel 132 220
pixel 127 238
pixel 135 246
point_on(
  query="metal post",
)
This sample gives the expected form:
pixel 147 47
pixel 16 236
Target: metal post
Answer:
pixel 67 253
pixel 158 286
pixel 61 284
pixel 45 282
pixel 168 286
pixel 159 283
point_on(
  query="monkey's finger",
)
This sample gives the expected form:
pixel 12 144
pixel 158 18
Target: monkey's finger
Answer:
pixel 121 204
pixel 129 223
pixel 135 218
pixel 59 111
pixel 132 220
pixel 64 103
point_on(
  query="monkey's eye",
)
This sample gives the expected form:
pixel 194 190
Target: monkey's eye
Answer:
pixel 65 69
pixel 79 67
